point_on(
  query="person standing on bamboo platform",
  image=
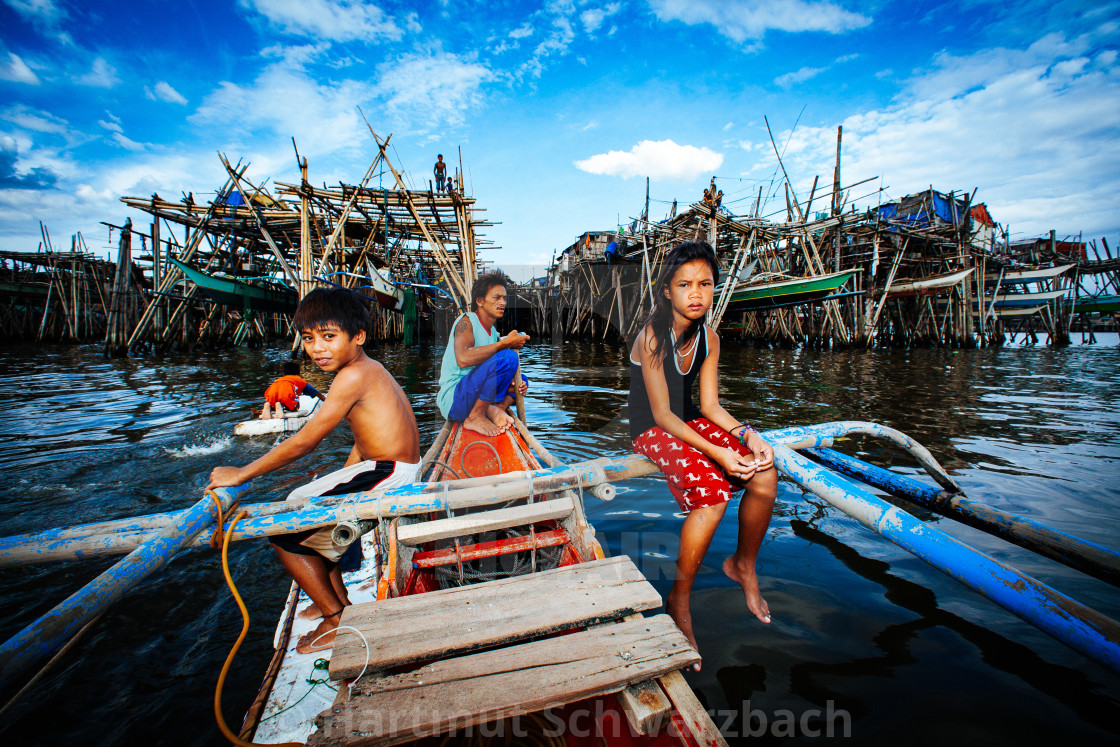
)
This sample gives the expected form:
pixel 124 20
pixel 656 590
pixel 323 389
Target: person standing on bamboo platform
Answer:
pixel 440 171
pixel 386 454
pixel 476 379
pixel 704 452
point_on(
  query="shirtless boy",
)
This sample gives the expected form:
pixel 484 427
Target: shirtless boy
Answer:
pixel 476 379
pixel 386 452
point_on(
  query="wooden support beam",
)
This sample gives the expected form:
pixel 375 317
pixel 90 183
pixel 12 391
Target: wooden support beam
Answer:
pixel 486 521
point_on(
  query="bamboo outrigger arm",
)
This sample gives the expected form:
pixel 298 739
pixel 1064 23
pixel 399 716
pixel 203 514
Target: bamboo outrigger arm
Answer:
pixel 823 434
pixel 1079 627
pixel 39 640
pixel 1088 557
pixel 267 519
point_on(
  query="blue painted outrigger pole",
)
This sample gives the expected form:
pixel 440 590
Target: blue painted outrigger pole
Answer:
pixel 1088 557
pixel 51 631
pixel 1079 627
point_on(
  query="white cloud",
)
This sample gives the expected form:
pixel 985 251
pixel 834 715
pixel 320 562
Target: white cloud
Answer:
pixel 521 32
pixel 742 20
pixel 296 55
pixel 337 20
pixel 111 126
pixel 798 76
pixel 262 110
pixel 593 18
pixel 661 160
pixel 431 90
pixel 590 126
pixel 164 92
pixel 44 12
pixel 1035 131
pixel 128 144
pixel 17 71
pixel 38 121
pixel 101 75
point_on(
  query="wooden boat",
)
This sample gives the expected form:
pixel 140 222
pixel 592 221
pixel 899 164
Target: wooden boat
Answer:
pixel 1026 275
pixel 1089 304
pixel 930 284
pixel 291 421
pixel 767 292
pixel 1008 301
pixel 496 622
pixel 388 295
pixel 239 293
pixel 1012 311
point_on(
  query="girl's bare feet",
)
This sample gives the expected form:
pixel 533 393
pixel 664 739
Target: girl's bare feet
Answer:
pixel 747 579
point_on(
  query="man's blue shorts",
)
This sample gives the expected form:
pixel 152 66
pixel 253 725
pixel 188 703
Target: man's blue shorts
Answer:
pixel 489 381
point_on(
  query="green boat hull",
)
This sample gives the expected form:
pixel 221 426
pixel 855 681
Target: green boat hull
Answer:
pixel 238 293
pixel 788 292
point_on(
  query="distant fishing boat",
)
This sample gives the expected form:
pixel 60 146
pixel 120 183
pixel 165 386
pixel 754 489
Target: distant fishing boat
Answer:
pixel 930 284
pixel 227 291
pixel 1025 275
pixel 1007 301
pixel 1089 304
pixel 24 287
pixel 388 295
pixel 768 292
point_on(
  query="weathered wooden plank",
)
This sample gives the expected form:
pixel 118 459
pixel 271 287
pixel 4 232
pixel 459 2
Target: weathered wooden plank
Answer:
pixel 487 521
pixel 645 706
pixel 497 684
pixel 448 622
pixel 692 713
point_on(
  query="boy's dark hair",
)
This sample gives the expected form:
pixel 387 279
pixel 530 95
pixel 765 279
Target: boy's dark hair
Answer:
pixel 291 368
pixel 484 283
pixel 324 306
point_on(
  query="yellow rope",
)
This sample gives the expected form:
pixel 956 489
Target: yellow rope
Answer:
pixel 233 651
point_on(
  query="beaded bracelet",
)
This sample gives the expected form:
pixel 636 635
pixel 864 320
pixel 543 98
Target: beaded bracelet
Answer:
pixel 743 429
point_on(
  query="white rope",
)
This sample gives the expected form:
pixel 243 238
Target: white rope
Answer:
pixel 350 687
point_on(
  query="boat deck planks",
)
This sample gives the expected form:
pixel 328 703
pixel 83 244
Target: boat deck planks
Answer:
pixel 487 521
pixel 410 629
pixel 501 683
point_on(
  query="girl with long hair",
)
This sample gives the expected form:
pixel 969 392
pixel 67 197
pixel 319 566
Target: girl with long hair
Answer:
pixel 704 452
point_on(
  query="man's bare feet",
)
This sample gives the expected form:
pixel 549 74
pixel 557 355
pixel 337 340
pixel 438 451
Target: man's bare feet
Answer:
pixel 481 424
pixel 266 413
pixel 311 612
pixel 678 609
pixel 747 579
pixel 499 417
pixel 322 637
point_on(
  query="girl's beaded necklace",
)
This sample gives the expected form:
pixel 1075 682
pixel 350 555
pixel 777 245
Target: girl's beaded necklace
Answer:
pixel 683 354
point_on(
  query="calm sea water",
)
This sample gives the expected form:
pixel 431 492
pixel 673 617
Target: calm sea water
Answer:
pixel 865 636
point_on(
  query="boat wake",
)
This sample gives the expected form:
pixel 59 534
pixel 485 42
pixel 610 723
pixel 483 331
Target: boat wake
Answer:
pixel 202 449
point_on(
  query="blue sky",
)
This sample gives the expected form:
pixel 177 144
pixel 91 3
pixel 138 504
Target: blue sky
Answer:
pixel 561 109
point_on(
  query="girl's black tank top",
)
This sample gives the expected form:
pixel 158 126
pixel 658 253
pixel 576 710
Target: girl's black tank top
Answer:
pixel 680 388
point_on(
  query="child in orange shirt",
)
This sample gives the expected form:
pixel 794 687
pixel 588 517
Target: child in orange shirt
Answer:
pixel 283 394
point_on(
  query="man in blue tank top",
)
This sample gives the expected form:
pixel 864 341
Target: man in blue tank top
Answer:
pixel 476 379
